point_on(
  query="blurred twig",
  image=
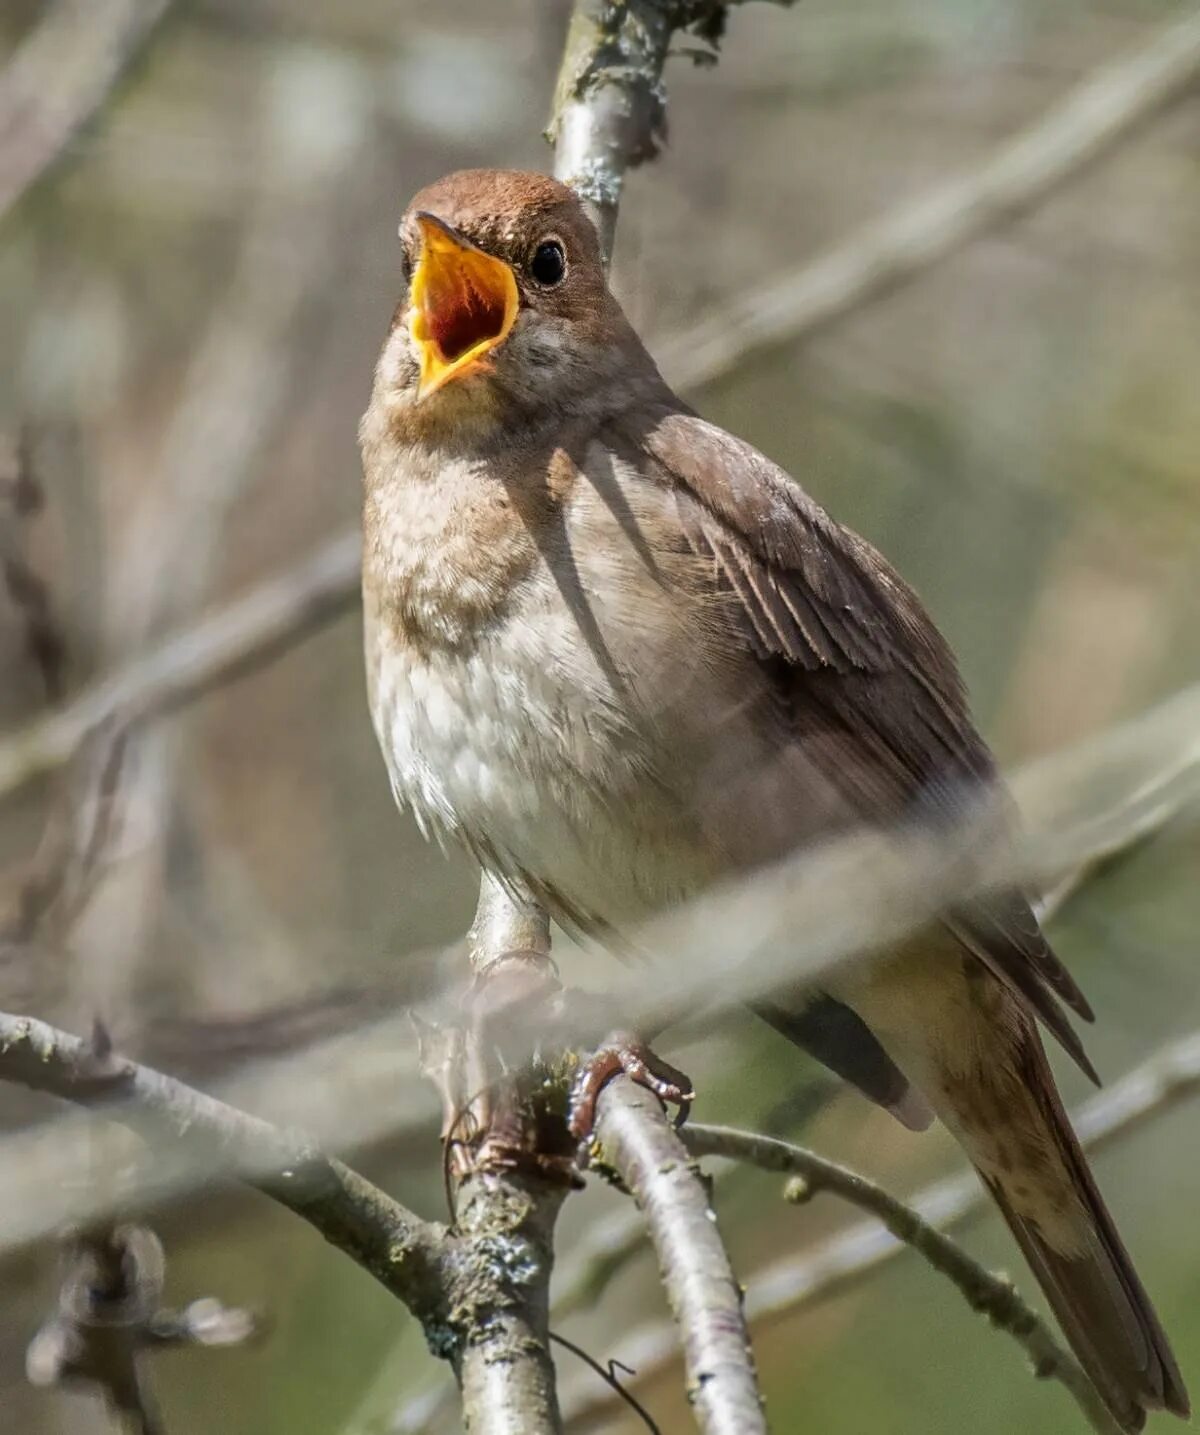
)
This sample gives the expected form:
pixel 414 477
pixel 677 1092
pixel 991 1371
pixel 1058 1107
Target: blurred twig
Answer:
pixel 844 897
pixel 109 1315
pixel 60 78
pixel 634 1138
pixel 901 247
pixel 989 1294
pixel 21 495
pixel 1152 1089
pixel 218 444
pixel 904 244
pixel 396 1246
pixel 238 638
pixel 70 858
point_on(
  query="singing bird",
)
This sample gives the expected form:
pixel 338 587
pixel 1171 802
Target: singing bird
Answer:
pixel 620 655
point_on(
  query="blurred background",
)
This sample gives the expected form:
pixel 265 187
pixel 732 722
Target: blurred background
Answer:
pixel 191 304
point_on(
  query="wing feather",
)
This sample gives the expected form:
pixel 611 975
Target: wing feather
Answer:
pixel 859 667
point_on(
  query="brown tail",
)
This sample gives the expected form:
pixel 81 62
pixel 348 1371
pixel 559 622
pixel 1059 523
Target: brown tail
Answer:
pixel 1092 1287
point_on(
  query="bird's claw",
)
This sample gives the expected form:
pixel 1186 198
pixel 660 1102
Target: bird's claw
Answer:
pixel 623 1054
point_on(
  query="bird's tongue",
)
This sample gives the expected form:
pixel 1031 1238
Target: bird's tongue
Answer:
pixel 461 313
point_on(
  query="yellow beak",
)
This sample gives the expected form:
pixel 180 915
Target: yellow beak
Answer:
pixel 462 304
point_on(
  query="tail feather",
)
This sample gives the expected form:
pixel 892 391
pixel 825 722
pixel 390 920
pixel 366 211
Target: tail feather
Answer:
pixel 972 1048
pixel 1093 1289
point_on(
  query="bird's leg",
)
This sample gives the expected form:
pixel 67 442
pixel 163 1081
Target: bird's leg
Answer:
pixel 623 1053
pixel 514 997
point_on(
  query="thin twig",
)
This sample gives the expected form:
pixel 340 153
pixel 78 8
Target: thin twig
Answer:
pixel 60 78
pixel 634 1138
pixel 398 1248
pixel 108 1316
pixel 21 495
pixel 901 247
pixel 847 899
pixel 1150 1090
pixel 236 639
pixel 991 1295
pixel 609 1374
pixel 906 243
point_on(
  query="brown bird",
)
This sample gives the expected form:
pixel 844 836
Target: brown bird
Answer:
pixel 619 654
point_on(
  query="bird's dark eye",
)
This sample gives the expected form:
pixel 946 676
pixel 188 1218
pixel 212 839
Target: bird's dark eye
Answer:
pixel 549 263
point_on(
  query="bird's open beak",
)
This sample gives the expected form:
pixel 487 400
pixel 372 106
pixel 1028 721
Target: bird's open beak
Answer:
pixel 463 303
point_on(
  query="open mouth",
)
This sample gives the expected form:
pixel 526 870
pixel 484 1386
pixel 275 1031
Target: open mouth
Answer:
pixel 463 304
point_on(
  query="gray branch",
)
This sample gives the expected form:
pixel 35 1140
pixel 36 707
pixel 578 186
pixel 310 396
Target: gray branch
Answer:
pixel 609 109
pixel 989 1294
pixel 504 1367
pixel 399 1249
pixel 634 1138
pixel 239 638
pixel 59 80
pixel 845 1260
pixel 1093 118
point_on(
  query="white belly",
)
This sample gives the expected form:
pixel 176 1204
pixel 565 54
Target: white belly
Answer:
pixel 516 748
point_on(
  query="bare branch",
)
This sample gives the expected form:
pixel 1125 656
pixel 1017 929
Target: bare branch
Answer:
pixel 991 1295
pixel 609 109
pixel 1101 112
pixel 503 1364
pixel 108 1316
pixel 504 1367
pixel 399 1249
pixel 21 495
pixel 634 1138
pixel 480 1290
pixel 236 639
pixel 1150 1090
pixel 60 78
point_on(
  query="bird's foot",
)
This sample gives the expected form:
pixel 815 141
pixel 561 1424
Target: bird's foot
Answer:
pixel 623 1054
pixel 495 1119
pixel 500 1154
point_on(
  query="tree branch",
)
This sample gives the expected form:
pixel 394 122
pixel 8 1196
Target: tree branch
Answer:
pixel 912 239
pixel 403 1252
pixel 59 80
pixel 1150 1090
pixel 608 115
pixel 991 1295
pixel 901 247
pixel 504 1368
pixel 634 1138
pixel 609 108
pixel 236 639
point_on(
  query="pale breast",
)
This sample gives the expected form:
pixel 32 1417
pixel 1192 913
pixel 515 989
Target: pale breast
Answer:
pixel 525 711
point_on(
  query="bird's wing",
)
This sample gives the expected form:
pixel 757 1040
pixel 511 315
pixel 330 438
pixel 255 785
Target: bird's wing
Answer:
pixel 865 677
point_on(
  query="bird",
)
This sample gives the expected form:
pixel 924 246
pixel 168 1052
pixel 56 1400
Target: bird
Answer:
pixel 620 656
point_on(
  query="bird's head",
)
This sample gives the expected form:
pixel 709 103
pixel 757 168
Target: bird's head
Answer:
pixel 507 312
